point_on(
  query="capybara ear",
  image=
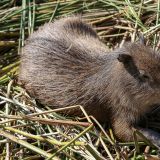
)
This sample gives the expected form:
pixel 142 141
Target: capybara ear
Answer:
pixel 124 58
pixel 129 65
pixel 141 38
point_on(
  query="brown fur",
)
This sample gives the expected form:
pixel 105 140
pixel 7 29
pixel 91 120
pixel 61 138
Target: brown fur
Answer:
pixel 64 63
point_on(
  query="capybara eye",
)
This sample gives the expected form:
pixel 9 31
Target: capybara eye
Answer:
pixel 144 75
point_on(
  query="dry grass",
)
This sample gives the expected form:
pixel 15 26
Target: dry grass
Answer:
pixel 30 131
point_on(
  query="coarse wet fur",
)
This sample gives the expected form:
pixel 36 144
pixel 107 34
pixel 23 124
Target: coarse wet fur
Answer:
pixel 64 63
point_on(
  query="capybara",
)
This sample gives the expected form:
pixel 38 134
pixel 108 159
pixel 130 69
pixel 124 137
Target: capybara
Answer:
pixel 64 63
